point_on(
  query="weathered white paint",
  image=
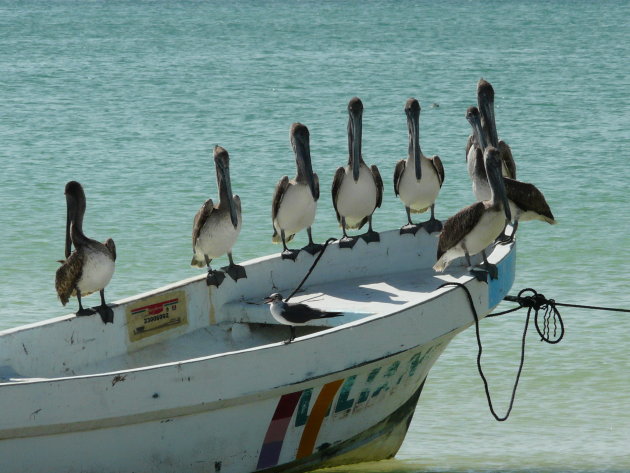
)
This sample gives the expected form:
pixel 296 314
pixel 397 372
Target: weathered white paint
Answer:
pixel 79 396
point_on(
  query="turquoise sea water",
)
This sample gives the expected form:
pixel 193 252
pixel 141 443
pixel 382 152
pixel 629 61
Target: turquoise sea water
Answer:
pixel 129 97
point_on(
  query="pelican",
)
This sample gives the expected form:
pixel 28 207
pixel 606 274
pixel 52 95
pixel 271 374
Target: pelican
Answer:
pixel 357 189
pixel 473 228
pixel 295 314
pixel 485 102
pixel 216 227
pixel 295 200
pixel 526 201
pixel 88 268
pixel 418 179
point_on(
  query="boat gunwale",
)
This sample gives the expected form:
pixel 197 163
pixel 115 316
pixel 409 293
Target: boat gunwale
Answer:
pixel 464 279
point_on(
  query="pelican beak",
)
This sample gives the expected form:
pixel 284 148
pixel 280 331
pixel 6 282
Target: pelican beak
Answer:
pixel 506 203
pixel 68 223
pixel 414 130
pixel 222 164
pixel 355 127
pixel 485 99
pixel 303 159
pixel 492 163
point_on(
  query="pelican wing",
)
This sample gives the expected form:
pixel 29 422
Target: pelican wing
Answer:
pixel 378 180
pixel 336 185
pixel 68 275
pixel 111 246
pixel 278 194
pixel 200 219
pixel 507 159
pixel 398 172
pixel 527 197
pixel 456 227
pixel 316 180
pixel 439 168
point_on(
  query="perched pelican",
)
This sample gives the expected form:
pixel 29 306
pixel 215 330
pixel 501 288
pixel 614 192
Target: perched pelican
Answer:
pixel 295 200
pixel 526 201
pixel 216 227
pixel 473 228
pixel 88 268
pixel 357 190
pixel 295 314
pixel 418 179
pixel 485 102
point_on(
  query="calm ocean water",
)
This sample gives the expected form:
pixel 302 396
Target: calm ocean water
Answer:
pixel 129 97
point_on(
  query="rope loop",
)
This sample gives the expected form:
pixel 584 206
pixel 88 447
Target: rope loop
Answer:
pixel 550 314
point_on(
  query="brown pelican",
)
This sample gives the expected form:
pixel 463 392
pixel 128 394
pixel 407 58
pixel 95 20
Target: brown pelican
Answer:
pixel 473 228
pixel 485 102
pixel 88 268
pixel 295 200
pixel 526 201
pixel 216 227
pixel 418 179
pixel 295 314
pixel 357 190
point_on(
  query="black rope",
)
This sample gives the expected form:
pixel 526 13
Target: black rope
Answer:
pixel 308 273
pixel 480 349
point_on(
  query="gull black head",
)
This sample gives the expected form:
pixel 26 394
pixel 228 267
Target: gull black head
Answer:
pixel 276 296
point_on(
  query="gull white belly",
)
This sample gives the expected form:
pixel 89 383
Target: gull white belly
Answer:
pixel 276 312
pixel 98 269
pixel 419 195
pixel 217 237
pixel 297 210
pixel 356 200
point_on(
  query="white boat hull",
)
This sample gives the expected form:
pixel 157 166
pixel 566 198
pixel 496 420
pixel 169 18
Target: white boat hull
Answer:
pixel 80 396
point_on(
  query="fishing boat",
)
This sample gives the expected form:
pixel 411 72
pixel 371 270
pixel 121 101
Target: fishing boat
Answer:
pixel 197 378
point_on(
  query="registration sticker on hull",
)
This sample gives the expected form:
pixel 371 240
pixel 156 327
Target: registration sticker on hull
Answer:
pixel 156 314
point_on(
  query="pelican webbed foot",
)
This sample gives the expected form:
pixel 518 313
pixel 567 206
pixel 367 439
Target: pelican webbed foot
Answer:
pixel 409 228
pixel 106 313
pixel 235 271
pixel 214 278
pixel 482 272
pixel 84 312
pixel 313 248
pixel 370 236
pixel 289 254
pixel 432 225
pixel 347 242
